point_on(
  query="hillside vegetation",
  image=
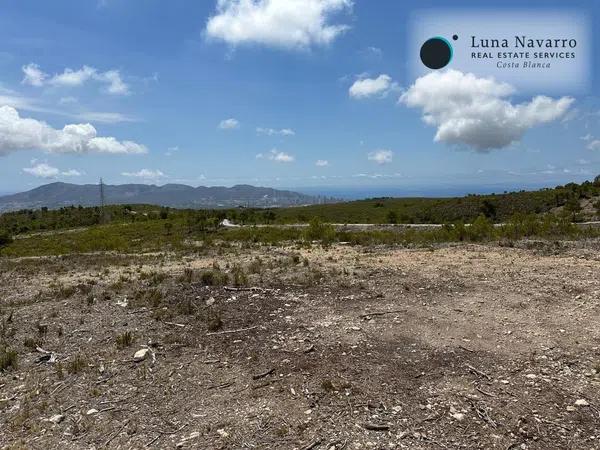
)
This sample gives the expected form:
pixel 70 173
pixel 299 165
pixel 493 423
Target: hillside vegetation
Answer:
pixel 564 200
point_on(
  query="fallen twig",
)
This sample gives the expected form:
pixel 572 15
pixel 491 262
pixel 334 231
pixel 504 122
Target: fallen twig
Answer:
pixel 221 386
pixel 173 432
pixel 153 440
pixel 262 375
pixel 116 434
pixel 381 313
pixel 375 427
pixel 313 444
pixel 239 289
pixel 180 325
pixel 479 372
pixel 239 330
pixel 58 388
pixel 489 394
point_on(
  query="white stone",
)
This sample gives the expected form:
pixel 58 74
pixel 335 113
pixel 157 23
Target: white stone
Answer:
pixel 141 355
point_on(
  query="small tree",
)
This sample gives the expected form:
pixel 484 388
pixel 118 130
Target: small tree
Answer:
pixel 597 206
pixel 169 228
pixel 392 217
pixel 573 205
pixel 488 209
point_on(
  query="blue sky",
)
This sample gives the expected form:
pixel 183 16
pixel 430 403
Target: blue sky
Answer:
pixel 265 93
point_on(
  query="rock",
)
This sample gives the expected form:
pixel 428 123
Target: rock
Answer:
pixel 57 418
pixel 141 355
pixel 224 434
pixel 531 376
pixel 91 411
pixel 210 301
pixel 581 402
pixel 458 416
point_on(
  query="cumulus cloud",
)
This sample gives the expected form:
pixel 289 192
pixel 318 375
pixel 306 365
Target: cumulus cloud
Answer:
pixel 274 132
pixel 43 170
pixel 594 145
pixel 288 24
pixel 369 87
pixel 34 76
pixel 322 163
pixel 381 156
pixel 475 112
pixel 147 174
pixel 229 124
pixel 18 133
pixel 277 156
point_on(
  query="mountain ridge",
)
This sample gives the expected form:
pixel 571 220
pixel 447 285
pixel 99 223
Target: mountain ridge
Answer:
pixel 60 194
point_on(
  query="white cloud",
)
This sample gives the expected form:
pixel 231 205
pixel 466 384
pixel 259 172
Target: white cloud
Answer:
pixel 43 170
pixel 274 132
pixel 369 87
pixel 171 151
pixel 277 156
pixel 381 156
pixel 145 174
pixel 594 145
pixel 288 24
pixel 322 163
pixel 587 137
pixel 229 124
pixel 105 117
pixel 67 100
pixel 72 173
pixel 33 75
pixel 17 133
pixel 72 78
pixel 116 85
pixel 475 112
pixel 375 52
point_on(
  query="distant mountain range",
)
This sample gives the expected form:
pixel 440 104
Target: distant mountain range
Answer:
pixel 56 195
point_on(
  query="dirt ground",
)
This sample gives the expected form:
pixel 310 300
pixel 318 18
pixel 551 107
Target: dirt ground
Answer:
pixel 462 346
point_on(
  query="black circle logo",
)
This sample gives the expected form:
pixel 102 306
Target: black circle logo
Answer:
pixel 436 52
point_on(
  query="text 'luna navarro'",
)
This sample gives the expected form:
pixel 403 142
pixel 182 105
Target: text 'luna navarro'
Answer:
pixel 523 42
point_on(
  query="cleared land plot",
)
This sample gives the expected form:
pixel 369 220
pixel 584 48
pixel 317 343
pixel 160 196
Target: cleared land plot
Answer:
pixel 463 346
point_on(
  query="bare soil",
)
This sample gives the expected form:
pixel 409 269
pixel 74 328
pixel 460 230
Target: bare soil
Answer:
pixel 462 346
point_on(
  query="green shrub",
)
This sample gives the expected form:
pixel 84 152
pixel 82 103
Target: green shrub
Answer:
pixel 5 238
pixel 8 359
pixel 320 231
pixel 124 340
pixel 214 278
